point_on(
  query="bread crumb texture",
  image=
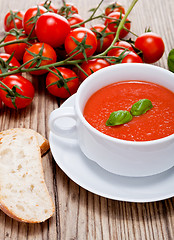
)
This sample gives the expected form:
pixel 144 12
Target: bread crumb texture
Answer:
pixel 23 192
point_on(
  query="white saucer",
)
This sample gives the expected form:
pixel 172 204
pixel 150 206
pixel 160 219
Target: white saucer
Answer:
pixel 95 179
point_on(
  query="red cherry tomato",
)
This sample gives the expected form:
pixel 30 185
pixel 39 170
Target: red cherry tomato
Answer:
pixel 49 6
pixel 114 7
pixel 125 57
pixel 84 37
pixel 52 29
pixel 30 18
pixel 13 100
pixel 75 19
pixel 7 65
pixel 63 85
pixel 132 57
pixel 151 45
pixel 17 48
pixel 92 66
pixel 42 49
pixel 104 37
pixel 68 9
pixel 72 8
pixel 112 24
pixel 13 19
pixel 121 45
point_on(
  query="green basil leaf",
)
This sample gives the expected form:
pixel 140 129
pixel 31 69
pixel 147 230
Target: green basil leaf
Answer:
pixel 141 107
pixel 170 60
pixel 119 117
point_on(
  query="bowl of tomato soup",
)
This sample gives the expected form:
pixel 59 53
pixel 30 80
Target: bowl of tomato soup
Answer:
pixel 124 117
pixel 156 123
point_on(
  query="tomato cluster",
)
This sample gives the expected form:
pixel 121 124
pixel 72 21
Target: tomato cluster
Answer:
pixel 56 42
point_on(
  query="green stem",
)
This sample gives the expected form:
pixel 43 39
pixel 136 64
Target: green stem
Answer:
pixel 2 62
pixel 91 17
pixel 13 19
pixel 25 40
pixel 130 32
pixel 87 20
pixel 29 35
pixel 96 8
pixel 31 60
pixel 120 27
pixel 13 42
pixel 64 62
pixel 9 89
pixel 71 57
pixel 81 69
pixel 2 39
pixel 50 70
pixel 19 69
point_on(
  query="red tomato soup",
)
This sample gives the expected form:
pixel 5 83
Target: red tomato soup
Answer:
pixel 156 123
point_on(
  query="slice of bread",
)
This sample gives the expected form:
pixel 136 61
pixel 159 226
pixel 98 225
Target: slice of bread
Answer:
pixel 43 142
pixel 23 192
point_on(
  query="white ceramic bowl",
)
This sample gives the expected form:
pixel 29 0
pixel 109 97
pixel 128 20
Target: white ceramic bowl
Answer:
pixel 127 158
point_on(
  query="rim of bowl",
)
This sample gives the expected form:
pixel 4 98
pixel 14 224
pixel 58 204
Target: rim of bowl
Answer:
pixel 105 136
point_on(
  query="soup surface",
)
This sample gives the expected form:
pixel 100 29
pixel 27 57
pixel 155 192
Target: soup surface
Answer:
pixel 156 123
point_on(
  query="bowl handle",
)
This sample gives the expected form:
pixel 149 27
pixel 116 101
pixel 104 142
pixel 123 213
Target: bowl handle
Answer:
pixel 62 122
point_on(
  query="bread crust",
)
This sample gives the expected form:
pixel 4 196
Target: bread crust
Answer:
pixel 10 214
pixel 41 149
pixel 43 144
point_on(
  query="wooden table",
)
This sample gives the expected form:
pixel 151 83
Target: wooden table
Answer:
pixel 79 213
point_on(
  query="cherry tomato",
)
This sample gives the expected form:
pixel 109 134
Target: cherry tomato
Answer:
pixel 120 45
pixel 104 37
pixel 17 48
pixel 151 45
pixel 112 24
pixel 114 7
pixel 72 8
pixel 16 97
pixel 92 66
pixel 132 57
pixel 68 9
pixel 13 19
pixel 52 28
pixel 77 40
pixel 63 85
pixel 8 64
pixel 125 56
pixel 30 18
pixel 49 6
pixel 44 51
pixel 75 19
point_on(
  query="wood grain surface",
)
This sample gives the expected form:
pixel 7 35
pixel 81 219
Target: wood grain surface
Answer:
pixel 81 214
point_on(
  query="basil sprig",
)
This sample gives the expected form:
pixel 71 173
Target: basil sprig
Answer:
pixel 170 60
pixel 141 107
pixel 118 118
pixel 121 117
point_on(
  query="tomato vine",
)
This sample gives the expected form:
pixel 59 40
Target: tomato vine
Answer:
pixel 68 60
pixel 81 50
